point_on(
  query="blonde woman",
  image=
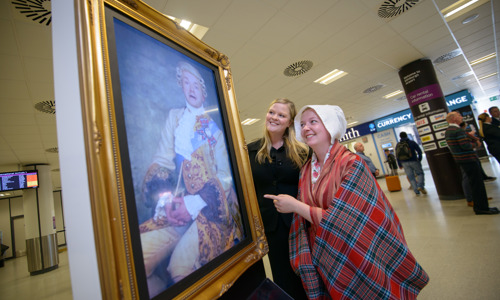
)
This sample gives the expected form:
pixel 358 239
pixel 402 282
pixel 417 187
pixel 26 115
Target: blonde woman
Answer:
pixel 346 241
pixel 276 159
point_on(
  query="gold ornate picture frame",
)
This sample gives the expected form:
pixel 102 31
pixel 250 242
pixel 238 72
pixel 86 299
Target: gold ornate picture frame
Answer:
pixel 174 209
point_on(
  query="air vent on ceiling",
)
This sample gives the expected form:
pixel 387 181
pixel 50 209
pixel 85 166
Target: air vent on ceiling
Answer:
pixel 393 8
pixel 470 19
pixel 37 10
pixel 463 75
pixel 400 98
pixel 298 68
pixel 46 107
pixel 52 150
pixel 373 88
pixel 448 56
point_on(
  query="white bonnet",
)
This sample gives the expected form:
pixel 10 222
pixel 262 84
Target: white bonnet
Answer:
pixel 332 117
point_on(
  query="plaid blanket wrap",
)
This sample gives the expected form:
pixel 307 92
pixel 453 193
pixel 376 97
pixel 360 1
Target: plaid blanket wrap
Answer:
pixel 358 249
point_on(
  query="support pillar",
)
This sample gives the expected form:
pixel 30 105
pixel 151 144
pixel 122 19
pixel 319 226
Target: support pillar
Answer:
pixel 429 110
pixel 40 227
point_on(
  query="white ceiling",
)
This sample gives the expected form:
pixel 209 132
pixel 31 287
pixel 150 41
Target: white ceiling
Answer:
pixel 262 38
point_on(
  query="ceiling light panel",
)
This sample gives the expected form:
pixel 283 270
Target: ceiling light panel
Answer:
pixel 461 7
pixel 398 92
pixel 483 59
pixel 249 121
pixel 488 76
pixel 331 77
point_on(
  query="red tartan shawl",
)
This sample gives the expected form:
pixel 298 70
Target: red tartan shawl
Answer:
pixel 358 249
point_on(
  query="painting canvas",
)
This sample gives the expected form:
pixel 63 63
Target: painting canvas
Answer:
pixel 175 210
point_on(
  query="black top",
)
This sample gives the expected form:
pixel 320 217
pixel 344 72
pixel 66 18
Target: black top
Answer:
pixel 495 121
pixel 279 177
pixel 492 138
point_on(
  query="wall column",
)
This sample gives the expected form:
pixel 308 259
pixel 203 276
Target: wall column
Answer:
pixel 429 110
pixel 40 227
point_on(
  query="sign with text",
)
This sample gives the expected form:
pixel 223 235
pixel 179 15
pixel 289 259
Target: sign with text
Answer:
pixel 394 120
pixel 357 131
pixel 429 108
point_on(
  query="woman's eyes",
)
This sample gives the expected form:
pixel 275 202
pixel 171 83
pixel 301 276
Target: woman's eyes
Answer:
pixel 279 115
pixel 311 122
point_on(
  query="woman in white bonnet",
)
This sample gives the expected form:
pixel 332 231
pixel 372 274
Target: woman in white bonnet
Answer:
pixel 346 240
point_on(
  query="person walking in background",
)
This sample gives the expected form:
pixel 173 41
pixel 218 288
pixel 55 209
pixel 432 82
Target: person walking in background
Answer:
pixel 276 159
pixel 471 134
pixel 476 143
pixel 495 115
pixel 462 151
pixel 491 135
pixel 409 157
pixel 346 241
pixel 360 150
pixel 391 161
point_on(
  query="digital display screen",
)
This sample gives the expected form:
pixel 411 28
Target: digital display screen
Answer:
pixel 388 145
pixel 18 180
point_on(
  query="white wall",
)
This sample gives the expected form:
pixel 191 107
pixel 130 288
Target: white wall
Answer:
pixel 75 191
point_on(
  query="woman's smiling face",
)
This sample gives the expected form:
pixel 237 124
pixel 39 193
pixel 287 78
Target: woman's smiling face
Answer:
pixel 312 130
pixel 278 118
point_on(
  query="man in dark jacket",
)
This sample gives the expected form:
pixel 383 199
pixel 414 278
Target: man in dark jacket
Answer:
pixel 412 164
pixel 495 115
pixel 463 152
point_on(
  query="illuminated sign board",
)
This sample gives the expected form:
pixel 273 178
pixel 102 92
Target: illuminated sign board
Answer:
pixel 357 131
pixel 459 99
pixel 394 120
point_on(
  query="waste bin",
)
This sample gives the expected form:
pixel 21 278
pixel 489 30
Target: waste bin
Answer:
pixel 3 248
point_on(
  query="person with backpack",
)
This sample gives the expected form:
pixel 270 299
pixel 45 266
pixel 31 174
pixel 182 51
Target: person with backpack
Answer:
pixel 391 161
pixel 409 157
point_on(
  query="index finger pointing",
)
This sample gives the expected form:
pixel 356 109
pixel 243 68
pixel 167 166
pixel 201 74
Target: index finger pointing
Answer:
pixel 270 197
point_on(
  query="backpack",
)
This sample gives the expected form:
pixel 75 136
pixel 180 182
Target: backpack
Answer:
pixel 403 151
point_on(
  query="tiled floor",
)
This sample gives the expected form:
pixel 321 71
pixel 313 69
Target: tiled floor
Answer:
pixel 458 249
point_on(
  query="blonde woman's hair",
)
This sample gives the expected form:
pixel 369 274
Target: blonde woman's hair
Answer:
pixel 482 118
pixel 296 151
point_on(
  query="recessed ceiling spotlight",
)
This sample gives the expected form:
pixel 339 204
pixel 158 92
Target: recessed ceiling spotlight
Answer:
pixel 46 107
pixel 373 88
pixel 463 75
pixel 448 56
pixel 470 19
pixel 298 68
pixel 52 150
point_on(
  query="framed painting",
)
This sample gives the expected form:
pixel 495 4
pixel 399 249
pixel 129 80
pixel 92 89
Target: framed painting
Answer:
pixel 174 209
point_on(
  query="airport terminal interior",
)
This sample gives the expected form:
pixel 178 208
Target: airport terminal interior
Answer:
pixel 280 48
pixel 458 249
